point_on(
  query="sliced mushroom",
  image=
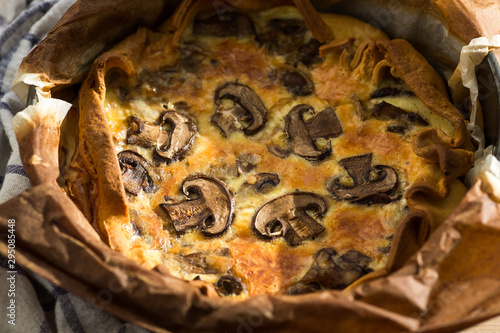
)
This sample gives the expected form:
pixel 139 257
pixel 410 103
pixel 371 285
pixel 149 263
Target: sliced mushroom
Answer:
pixel 169 145
pixel 297 82
pixel 390 91
pixel 388 111
pixel 332 271
pixel 224 25
pixel 279 151
pixel 308 53
pixel 402 120
pixel 248 108
pixel 137 173
pixel 212 207
pixel 263 182
pixel 229 285
pixel 181 138
pixel 287 216
pixel 398 128
pixel 145 135
pixel 159 82
pixel 303 134
pixel 283 36
pixel 370 184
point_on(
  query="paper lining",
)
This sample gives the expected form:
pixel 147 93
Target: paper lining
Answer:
pixel 465 77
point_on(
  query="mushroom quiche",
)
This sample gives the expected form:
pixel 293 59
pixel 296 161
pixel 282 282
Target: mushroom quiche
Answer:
pixel 263 147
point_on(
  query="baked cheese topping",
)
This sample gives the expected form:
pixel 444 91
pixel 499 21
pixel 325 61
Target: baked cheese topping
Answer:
pixel 259 166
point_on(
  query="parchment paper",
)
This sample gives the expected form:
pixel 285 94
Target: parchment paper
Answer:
pixel 452 281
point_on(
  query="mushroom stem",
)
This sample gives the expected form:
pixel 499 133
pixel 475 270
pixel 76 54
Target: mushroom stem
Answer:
pixel 188 214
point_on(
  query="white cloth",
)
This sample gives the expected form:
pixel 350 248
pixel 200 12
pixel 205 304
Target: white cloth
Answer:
pixel 41 305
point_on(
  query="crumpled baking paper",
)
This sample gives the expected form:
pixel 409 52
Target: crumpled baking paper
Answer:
pixel 451 282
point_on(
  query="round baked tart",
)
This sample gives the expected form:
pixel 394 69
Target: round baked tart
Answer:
pixel 263 148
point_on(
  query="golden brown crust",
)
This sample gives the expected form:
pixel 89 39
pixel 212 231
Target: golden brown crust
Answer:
pixel 97 152
pixel 448 159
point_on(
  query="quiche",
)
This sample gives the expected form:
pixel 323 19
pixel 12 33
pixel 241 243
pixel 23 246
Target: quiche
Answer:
pixel 263 148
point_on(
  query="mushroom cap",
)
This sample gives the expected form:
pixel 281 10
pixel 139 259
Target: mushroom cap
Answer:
pixel 137 172
pixel 145 135
pixel 181 138
pixel 246 100
pixel 290 212
pixel 169 145
pixel 213 208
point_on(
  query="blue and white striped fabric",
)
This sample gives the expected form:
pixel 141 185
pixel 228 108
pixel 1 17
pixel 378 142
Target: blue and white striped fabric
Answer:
pixel 41 305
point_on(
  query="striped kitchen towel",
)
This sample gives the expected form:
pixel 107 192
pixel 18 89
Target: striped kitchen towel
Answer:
pixel 40 306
